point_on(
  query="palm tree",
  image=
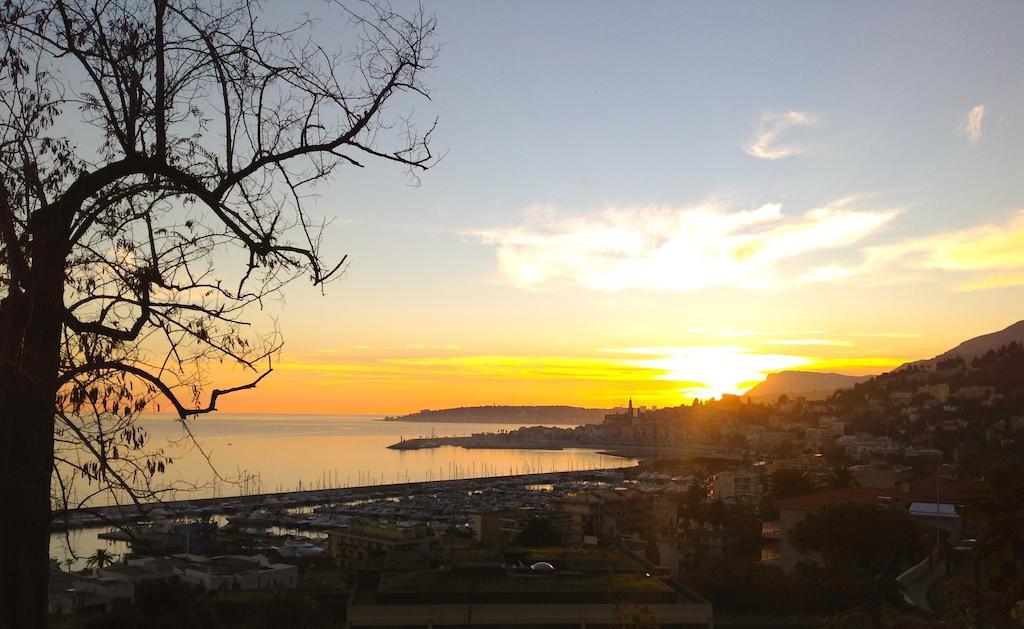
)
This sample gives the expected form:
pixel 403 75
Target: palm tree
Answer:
pixel 840 477
pixel 786 483
pixel 101 559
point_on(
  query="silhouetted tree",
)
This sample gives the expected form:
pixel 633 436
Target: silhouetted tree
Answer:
pixel 694 498
pixel 100 559
pixel 786 483
pixel 538 532
pixel 860 539
pixel 839 476
pixel 651 551
pixel 140 139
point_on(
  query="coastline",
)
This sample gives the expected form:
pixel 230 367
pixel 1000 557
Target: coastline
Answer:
pixel 623 450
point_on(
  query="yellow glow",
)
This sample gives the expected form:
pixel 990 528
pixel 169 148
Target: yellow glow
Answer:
pixel 710 371
pixel 872 364
pixel 981 248
pixel 992 254
pixel 997 281
pixel 339 381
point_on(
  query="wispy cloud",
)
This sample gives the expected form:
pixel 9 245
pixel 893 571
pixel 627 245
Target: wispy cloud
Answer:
pixel 488 366
pixel 977 258
pixel 673 249
pixel 888 335
pixel 767 142
pixel 744 333
pixel 810 342
pixel 971 128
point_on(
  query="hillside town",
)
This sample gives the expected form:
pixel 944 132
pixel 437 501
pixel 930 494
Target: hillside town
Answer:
pixel 896 500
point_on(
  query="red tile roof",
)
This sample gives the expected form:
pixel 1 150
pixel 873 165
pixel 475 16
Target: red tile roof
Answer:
pixel 817 500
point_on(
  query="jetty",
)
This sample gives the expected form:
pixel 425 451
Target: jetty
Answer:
pixel 115 515
pixel 626 449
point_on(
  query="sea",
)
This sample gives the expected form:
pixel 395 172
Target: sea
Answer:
pixel 244 454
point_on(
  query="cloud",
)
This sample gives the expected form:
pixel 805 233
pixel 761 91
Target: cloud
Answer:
pixel 765 144
pixel 971 128
pixel 810 342
pixel 744 333
pixel 983 257
pixel 995 281
pixel 888 335
pixel 674 249
pixel 489 366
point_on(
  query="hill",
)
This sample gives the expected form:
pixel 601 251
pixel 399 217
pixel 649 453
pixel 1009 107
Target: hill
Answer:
pixel 509 414
pixel 976 346
pixel 955 403
pixel 806 384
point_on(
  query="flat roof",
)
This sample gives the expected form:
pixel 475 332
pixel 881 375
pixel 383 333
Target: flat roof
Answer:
pixel 484 574
pixel 934 510
pixel 819 499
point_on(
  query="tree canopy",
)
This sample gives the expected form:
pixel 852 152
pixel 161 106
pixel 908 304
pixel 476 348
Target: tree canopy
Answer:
pixel 859 538
pixel 158 161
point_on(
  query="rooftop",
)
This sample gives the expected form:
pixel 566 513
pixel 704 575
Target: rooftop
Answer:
pixel 819 499
pixel 489 576
pixel 934 510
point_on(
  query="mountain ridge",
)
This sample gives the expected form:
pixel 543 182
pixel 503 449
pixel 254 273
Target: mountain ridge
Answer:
pixel 806 384
pixel 551 414
pixel 818 385
pixel 976 346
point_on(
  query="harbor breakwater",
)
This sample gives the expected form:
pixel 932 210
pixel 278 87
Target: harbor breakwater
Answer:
pixel 114 515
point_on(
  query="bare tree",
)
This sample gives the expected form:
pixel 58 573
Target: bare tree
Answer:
pixel 141 141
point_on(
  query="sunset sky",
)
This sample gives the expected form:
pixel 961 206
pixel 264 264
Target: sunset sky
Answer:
pixel 669 200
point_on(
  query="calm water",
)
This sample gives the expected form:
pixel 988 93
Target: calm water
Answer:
pixel 267 453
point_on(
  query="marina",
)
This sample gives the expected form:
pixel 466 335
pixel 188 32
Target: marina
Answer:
pixel 297 521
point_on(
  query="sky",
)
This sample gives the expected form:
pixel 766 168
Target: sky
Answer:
pixel 670 200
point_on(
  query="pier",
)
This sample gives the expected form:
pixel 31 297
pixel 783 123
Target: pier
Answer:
pixel 114 515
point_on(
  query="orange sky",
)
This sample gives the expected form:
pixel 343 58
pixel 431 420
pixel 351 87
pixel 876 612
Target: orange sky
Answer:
pixel 596 231
pixel 399 380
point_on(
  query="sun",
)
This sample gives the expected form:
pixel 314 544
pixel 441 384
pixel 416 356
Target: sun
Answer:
pixel 709 371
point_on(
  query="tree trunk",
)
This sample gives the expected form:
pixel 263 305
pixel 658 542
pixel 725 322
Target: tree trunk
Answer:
pixel 30 333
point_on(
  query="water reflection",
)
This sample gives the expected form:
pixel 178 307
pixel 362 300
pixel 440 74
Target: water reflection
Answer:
pixel 263 454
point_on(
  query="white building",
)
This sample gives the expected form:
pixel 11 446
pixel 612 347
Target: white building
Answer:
pixel 236 572
pixel 863 447
pixel 832 425
pixel 738 486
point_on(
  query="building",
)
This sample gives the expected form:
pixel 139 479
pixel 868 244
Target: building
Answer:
pixel 536 588
pixel 816 438
pixel 105 587
pixel 768 440
pixel 901 398
pixel 939 392
pixel 938 516
pixel 832 425
pixel 363 544
pixel 609 513
pixel 745 486
pixel 922 456
pixel 500 528
pixel 136 571
pixel 975 393
pixel 236 572
pixel 699 541
pixel 881 475
pixel 864 447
